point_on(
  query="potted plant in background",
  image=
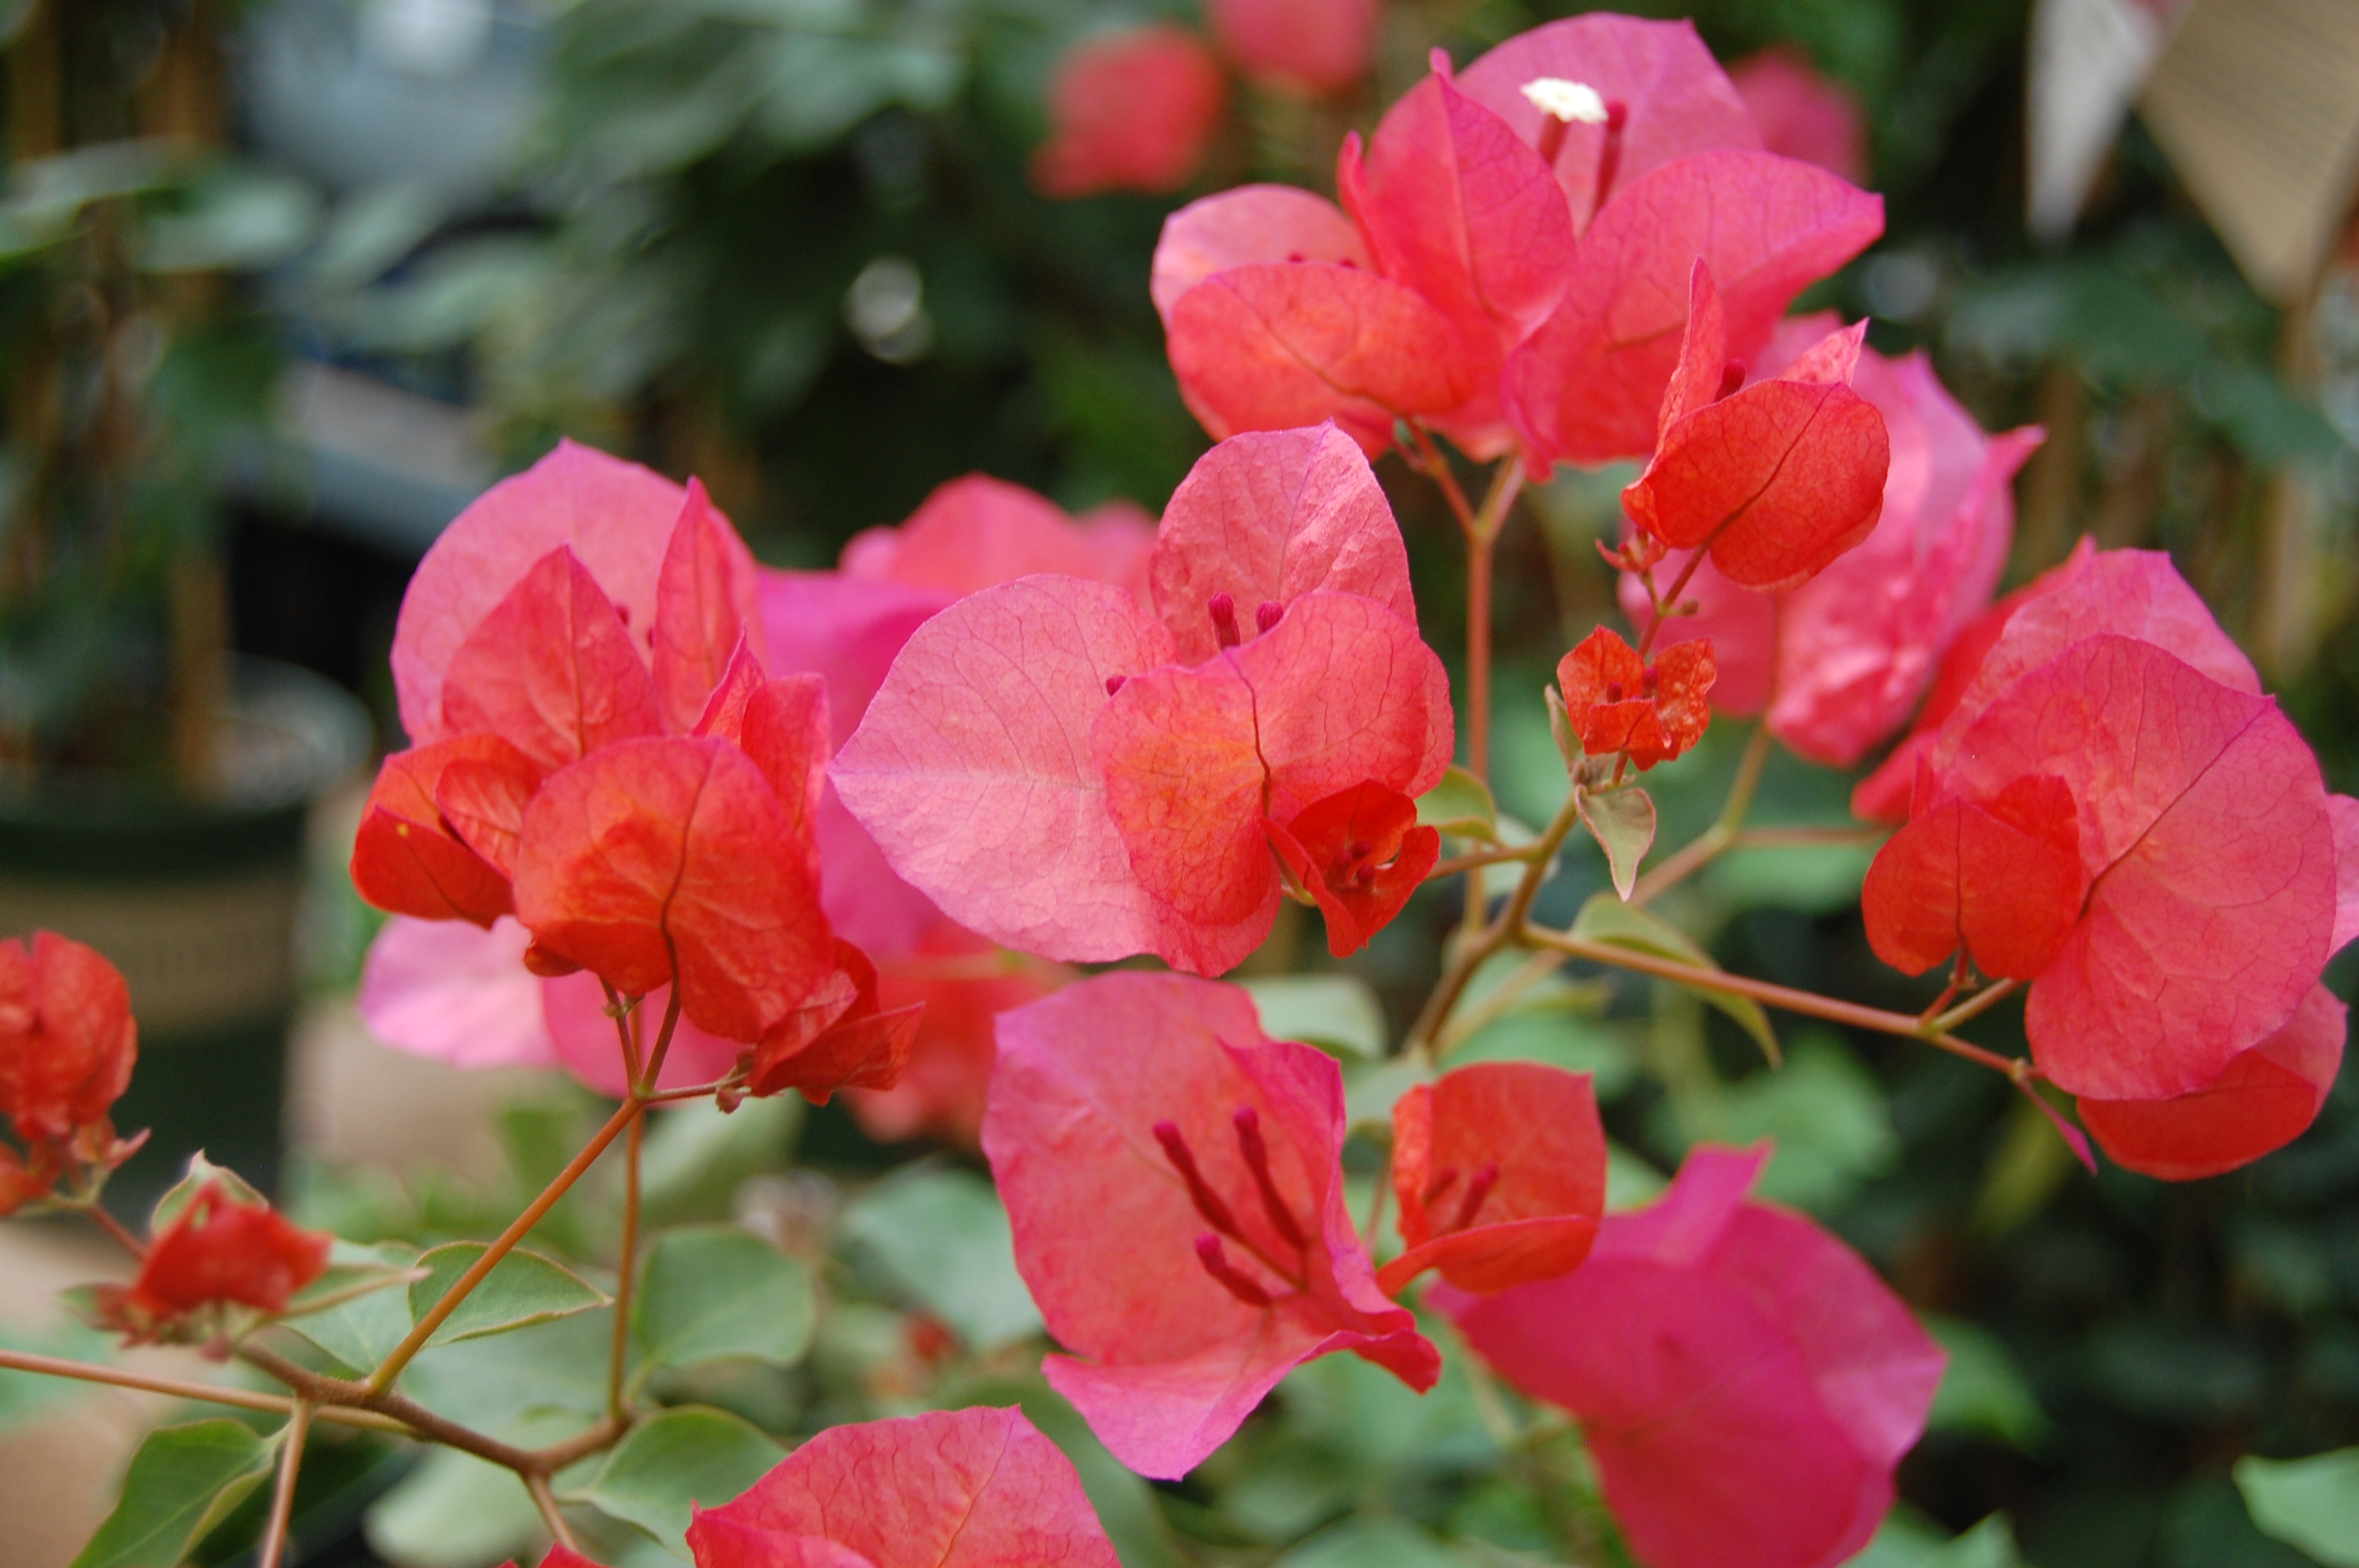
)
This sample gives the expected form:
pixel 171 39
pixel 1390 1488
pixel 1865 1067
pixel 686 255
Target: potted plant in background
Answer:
pixel 154 787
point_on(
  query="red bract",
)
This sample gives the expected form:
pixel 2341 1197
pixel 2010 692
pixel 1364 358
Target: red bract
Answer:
pixel 1307 47
pixel 838 1038
pixel 552 669
pixel 1358 854
pixel 1615 702
pixel 1772 480
pixel 1744 1383
pixel 1175 1183
pixel 2001 881
pixel 1838 662
pixel 220 1249
pixel 1500 1169
pixel 1802 115
pixel 407 859
pixel 963 982
pixel 2263 1100
pixel 2111 714
pixel 976 532
pixel 970 1488
pixel 1282 311
pixel 677 853
pixel 66 1039
pixel 1052 768
pixel 1130 110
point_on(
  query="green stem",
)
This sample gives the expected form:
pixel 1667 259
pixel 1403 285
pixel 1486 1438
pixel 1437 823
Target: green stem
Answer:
pixel 616 1408
pixel 184 1389
pixel 1708 845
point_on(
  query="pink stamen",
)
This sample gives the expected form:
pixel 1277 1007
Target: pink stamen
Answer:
pixel 1609 149
pixel 1225 620
pixel 1441 1182
pixel 1731 376
pixel 1269 613
pixel 1207 1202
pixel 1216 1263
pixel 1114 684
pixel 1256 1153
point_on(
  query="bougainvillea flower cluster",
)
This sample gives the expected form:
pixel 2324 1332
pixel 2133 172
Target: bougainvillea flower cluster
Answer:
pixel 1070 774
pixel 67 1046
pixel 1510 263
pixel 2111 810
pixel 1745 1383
pixel 1175 1182
pixel 599 752
pixel 1801 113
pixel 1835 665
pixel 1306 48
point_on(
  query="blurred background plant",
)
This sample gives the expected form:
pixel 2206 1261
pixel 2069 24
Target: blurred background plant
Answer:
pixel 801 248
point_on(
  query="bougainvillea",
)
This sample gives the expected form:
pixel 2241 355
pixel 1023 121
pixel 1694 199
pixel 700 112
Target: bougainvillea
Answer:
pixel 1745 1383
pixel 696 830
pixel 1835 665
pixel 1106 794
pixel 1176 1185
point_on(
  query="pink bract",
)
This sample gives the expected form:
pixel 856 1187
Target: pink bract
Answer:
pixel 1803 114
pixel 970 1488
pixel 1175 1183
pixel 616 517
pixel 457 993
pixel 1745 1383
pixel 976 532
pixel 1045 758
pixel 1305 47
pixel 1132 111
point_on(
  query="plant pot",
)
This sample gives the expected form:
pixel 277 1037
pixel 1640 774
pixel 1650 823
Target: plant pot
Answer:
pixel 196 899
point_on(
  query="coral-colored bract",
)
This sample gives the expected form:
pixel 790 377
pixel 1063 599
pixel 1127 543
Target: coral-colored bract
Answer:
pixel 1067 776
pixel 1774 480
pixel 2111 811
pixel 1132 111
pixel 970 1488
pixel 1359 854
pixel 1744 1383
pixel 66 1039
pixel 1175 1183
pixel 1500 1170
pixel 1835 665
pixel 1615 702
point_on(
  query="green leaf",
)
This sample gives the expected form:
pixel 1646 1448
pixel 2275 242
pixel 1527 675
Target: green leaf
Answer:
pixel 454 1511
pixel 524 1288
pixel 1990 1544
pixel 715 1292
pixel 1373 1543
pixel 942 1240
pixel 1826 1113
pixel 688 1454
pixel 1340 1010
pixel 1982 1389
pixel 365 1326
pixel 696 1156
pixel 234 219
pixel 1605 918
pixel 2309 1503
pixel 1370 1089
pixel 1623 823
pixel 1816 879
pixel 182 1482
pixel 201 1173
pixel 1460 805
